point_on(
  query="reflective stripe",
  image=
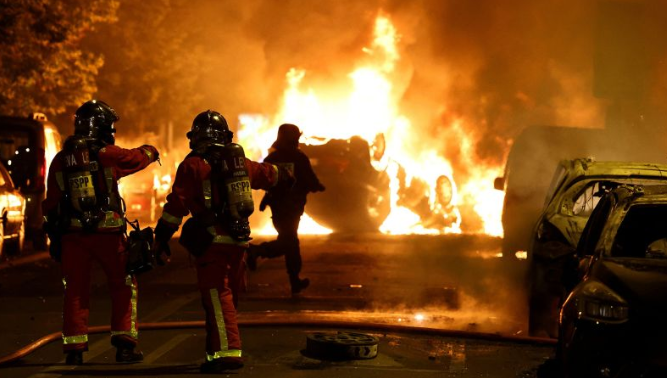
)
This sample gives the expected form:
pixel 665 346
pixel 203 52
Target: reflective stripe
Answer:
pixel 109 221
pixel 207 193
pixel 150 154
pixel 133 332
pixel 108 176
pixel 61 181
pixel 64 283
pixel 79 339
pixel 171 219
pixel 224 353
pixel 220 323
pixel 225 239
pixel 277 175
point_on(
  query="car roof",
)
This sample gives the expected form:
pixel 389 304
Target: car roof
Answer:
pixel 27 122
pixel 590 167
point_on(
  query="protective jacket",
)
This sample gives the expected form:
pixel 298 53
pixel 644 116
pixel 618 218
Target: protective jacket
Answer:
pixel 104 242
pixel 292 199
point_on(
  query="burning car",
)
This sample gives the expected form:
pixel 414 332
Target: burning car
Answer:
pixel 613 322
pixel 359 196
pixel 574 192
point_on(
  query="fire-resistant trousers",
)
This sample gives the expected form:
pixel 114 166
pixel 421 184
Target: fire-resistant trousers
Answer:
pixel 79 251
pixel 219 276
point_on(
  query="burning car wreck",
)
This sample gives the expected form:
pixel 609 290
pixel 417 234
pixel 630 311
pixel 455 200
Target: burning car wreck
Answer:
pixel 359 195
pixel 574 192
pixel 613 322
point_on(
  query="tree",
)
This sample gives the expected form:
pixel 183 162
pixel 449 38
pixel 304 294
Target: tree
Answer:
pixel 42 67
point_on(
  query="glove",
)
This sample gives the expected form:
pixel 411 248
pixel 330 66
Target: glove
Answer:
pixel 264 202
pixel 319 188
pixel 160 248
pixel 161 244
pixel 152 152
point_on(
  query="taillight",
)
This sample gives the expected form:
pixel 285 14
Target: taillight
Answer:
pixel 40 178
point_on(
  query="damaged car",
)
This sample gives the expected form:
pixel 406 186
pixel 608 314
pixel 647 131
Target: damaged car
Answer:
pixel 613 322
pixel 358 196
pixel 575 190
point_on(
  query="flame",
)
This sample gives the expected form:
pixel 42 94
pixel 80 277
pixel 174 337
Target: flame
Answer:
pixel 366 108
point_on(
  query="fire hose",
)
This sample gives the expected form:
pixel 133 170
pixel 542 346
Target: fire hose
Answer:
pixel 288 321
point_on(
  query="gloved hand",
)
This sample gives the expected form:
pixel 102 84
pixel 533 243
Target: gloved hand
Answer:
pixel 319 188
pixel 160 248
pixel 163 234
pixel 152 152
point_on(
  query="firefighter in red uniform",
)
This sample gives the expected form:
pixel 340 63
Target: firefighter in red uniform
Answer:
pixel 85 222
pixel 213 183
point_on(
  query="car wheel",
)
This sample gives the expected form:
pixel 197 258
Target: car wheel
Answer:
pixel 15 246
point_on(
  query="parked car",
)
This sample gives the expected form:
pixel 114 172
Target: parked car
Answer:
pixel 574 192
pixel 12 216
pixel 27 146
pixel 613 322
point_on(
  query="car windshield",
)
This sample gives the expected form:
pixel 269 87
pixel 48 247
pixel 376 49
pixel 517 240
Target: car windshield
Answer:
pixel 12 139
pixel 642 227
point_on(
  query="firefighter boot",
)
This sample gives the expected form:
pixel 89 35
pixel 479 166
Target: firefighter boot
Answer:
pixel 74 357
pixel 221 365
pixel 125 352
pixel 298 284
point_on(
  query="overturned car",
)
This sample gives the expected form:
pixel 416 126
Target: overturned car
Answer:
pixel 359 197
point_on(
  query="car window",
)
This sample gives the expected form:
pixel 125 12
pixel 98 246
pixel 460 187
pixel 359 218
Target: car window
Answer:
pixel 641 226
pixel 587 199
pixel 12 139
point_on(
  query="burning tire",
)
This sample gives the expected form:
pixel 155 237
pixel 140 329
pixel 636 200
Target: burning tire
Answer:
pixel 341 346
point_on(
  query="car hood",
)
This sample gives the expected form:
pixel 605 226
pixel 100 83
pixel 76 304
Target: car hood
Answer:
pixel 641 282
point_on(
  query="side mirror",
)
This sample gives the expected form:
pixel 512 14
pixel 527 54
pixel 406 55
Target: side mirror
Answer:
pixel 499 183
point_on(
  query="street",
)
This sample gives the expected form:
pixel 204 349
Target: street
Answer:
pixel 439 305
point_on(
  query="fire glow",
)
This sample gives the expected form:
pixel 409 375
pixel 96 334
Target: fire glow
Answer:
pixel 370 108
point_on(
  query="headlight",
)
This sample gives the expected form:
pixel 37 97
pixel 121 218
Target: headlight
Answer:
pixel 599 303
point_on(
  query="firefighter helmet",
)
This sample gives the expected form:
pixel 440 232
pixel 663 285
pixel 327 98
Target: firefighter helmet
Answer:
pixel 95 119
pixel 209 127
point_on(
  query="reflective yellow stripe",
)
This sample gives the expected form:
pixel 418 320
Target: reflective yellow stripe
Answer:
pixel 219 321
pixel 225 239
pixel 61 181
pixel 108 176
pixel 224 353
pixel 148 153
pixel 64 283
pixel 109 221
pixel 79 339
pixel 172 219
pixel 133 332
pixel 277 175
pixel 207 193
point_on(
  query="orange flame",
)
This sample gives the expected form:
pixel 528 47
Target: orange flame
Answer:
pixel 368 108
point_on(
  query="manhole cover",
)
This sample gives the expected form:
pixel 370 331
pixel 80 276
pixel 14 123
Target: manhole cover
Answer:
pixel 342 346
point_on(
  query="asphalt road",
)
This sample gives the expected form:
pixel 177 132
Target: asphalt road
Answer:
pixel 440 306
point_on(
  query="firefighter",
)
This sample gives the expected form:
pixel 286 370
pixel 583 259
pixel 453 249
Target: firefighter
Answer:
pixel 85 221
pixel 287 205
pixel 213 183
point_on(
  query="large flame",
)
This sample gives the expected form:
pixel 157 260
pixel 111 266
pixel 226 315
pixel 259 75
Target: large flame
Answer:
pixel 368 108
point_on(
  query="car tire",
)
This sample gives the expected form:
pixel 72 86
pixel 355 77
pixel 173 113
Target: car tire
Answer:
pixel 16 245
